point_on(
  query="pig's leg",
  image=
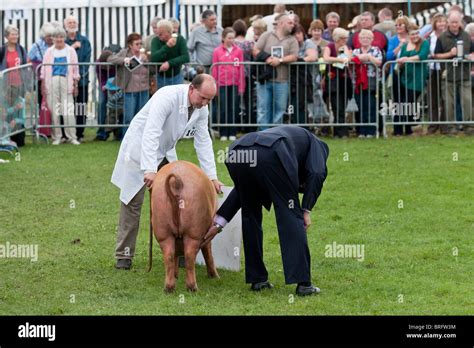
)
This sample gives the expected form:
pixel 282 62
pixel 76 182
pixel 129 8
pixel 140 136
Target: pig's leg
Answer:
pixel 168 248
pixel 211 267
pixel 191 248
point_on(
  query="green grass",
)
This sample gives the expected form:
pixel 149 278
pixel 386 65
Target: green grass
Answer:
pixel 408 251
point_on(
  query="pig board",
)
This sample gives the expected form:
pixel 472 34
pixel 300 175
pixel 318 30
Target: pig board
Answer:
pixel 226 246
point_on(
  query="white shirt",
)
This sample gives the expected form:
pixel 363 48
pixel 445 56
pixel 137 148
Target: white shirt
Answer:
pixel 153 134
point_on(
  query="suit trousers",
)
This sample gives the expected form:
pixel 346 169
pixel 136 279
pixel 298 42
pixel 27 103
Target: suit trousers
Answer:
pixel 255 185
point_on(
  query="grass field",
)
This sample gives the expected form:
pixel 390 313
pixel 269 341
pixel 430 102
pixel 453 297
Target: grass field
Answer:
pixel 409 202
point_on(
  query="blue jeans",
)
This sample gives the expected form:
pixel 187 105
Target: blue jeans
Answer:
pixel 272 99
pixel 102 113
pixel 133 103
pixel 162 81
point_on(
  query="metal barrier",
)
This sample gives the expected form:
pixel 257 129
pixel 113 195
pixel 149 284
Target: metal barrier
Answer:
pixel 315 95
pixel 312 94
pixel 16 103
pixel 437 93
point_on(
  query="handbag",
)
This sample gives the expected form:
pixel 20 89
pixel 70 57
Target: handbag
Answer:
pixel 45 119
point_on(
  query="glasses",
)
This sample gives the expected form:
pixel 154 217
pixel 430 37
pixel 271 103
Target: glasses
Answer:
pixel 399 25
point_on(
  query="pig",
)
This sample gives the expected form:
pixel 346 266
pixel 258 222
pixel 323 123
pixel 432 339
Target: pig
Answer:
pixel 183 204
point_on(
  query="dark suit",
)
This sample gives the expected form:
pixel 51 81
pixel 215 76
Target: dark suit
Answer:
pixel 289 160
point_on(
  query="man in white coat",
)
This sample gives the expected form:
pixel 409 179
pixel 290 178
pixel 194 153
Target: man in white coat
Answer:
pixel 174 112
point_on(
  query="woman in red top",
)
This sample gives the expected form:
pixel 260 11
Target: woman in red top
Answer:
pixel 230 80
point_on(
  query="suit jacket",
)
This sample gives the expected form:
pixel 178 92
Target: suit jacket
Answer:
pixel 302 155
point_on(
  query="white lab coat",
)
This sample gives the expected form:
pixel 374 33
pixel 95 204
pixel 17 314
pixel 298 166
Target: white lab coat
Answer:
pixel 154 132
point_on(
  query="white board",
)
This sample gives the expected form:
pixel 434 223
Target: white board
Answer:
pixel 227 245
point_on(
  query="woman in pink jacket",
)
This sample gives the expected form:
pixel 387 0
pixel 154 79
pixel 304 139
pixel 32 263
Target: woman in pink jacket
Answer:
pixel 230 79
pixel 60 84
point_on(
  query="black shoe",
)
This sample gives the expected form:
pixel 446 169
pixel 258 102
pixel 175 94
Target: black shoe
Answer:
pixel 260 286
pixel 123 264
pixel 303 290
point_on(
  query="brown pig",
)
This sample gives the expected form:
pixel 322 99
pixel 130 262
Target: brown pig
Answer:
pixel 183 203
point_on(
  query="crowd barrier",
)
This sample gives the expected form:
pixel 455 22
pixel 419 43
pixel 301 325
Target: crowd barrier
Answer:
pixel 322 97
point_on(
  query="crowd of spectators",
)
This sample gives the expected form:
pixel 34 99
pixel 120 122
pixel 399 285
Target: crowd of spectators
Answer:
pixel 316 75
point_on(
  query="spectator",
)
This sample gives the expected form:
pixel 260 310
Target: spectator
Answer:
pixel 60 84
pixel 134 84
pixel 270 20
pixel 12 115
pixel 172 52
pixel 230 81
pixel 332 21
pixel 470 31
pixel 37 51
pixel 249 36
pixel 248 105
pixel 317 108
pixel 316 29
pixel 339 85
pixel 412 77
pixel 302 75
pixel 245 45
pixel 279 48
pixel 104 73
pixel 12 54
pixel 175 23
pixel 368 59
pixel 367 21
pixel 83 49
pixel 205 38
pixel 397 41
pixel 386 24
pixel 435 97
pixel 354 26
pixel 259 27
pixel 149 38
pixel 189 72
pixel 458 80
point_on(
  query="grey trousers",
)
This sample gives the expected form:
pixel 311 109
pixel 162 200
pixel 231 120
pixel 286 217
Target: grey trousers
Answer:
pixel 129 223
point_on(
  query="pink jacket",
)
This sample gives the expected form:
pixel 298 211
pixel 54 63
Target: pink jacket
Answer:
pixel 72 70
pixel 229 74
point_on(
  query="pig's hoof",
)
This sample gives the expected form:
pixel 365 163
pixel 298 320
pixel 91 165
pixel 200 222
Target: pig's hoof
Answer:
pixel 192 288
pixel 169 289
pixel 213 275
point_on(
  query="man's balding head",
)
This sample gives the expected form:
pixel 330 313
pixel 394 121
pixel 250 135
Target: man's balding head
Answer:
pixel 202 90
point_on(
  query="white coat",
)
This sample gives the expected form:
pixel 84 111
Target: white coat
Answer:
pixel 154 132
